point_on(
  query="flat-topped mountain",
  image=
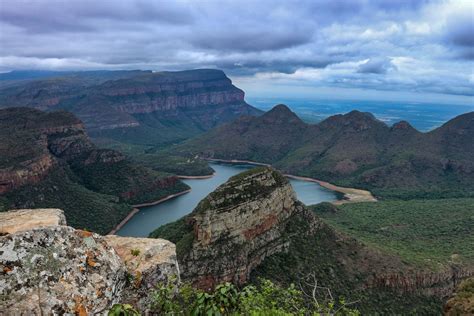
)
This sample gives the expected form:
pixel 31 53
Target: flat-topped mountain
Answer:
pixel 354 149
pixel 47 160
pixel 137 107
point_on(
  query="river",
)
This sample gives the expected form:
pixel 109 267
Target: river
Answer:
pixel 151 217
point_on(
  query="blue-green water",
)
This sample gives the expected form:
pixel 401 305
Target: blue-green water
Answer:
pixel 152 217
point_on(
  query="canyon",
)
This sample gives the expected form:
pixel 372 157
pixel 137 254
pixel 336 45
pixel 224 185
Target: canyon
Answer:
pixel 48 160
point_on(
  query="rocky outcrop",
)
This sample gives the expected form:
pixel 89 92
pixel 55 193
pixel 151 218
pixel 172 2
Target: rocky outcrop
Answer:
pixel 49 268
pixel 236 227
pixel 28 219
pixel 148 261
pixel 28 172
pixel 438 283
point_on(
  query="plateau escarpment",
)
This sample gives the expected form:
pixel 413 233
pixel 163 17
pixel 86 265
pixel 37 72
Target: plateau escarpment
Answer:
pixel 50 268
pixel 47 160
pixel 135 106
pixel 352 150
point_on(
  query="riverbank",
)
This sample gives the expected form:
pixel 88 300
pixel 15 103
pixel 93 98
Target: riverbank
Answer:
pixel 124 221
pixel 136 209
pixel 166 198
pixel 351 195
pixel 196 177
pixel 249 162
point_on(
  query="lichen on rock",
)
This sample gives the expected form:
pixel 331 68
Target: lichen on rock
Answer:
pixel 59 269
pixel 49 268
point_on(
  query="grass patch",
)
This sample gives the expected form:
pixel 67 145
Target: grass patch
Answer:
pixel 427 233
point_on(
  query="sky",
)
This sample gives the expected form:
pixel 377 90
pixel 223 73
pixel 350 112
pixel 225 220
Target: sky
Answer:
pixel 418 50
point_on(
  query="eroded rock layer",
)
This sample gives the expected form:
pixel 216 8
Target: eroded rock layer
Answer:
pixel 236 227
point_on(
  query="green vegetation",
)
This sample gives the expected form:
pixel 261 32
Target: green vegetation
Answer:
pixel 352 150
pixel 266 298
pixel 428 233
pixel 130 182
pixel 462 302
pixel 47 160
pixel 342 265
pixel 150 157
pixel 84 209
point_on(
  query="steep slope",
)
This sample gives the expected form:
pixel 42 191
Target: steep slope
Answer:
pixel 234 228
pixel 47 160
pixel 354 149
pixel 173 105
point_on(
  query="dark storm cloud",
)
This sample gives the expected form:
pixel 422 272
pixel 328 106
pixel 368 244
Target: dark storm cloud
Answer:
pixel 399 42
pixel 87 15
pixel 375 66
pixel 252 40
pixel 460 29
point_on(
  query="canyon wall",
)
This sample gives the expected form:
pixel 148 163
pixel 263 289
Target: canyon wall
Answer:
pixel 135 100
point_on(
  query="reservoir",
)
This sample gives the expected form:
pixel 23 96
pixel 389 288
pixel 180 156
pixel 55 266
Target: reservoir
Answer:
pixel 151 217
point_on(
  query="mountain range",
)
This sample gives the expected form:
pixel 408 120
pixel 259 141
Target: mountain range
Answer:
pixel 353 149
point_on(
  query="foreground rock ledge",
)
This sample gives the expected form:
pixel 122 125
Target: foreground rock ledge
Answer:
pixel 27 219
pixel 50 268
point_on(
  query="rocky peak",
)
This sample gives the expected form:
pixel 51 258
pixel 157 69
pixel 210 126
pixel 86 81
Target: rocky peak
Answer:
pixel 281 114
pixel 237 226
pixel 402 125
pixel 403 128
pixel 462 125
pixel 354 120
pixel 50 268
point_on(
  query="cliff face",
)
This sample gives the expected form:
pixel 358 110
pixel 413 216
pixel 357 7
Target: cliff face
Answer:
pixel 171 91
pixel 47 160
pixel 134 106
pixel 236 227
pixel 51 268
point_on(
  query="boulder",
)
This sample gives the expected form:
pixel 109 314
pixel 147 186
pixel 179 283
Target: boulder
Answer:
pixel 153 259
pixel 49 268
pixel 58 269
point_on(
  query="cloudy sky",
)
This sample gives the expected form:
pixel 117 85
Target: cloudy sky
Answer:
pixel 387 49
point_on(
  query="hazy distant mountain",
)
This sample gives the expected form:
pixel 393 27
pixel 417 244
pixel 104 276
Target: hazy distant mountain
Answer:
pixel 354 149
